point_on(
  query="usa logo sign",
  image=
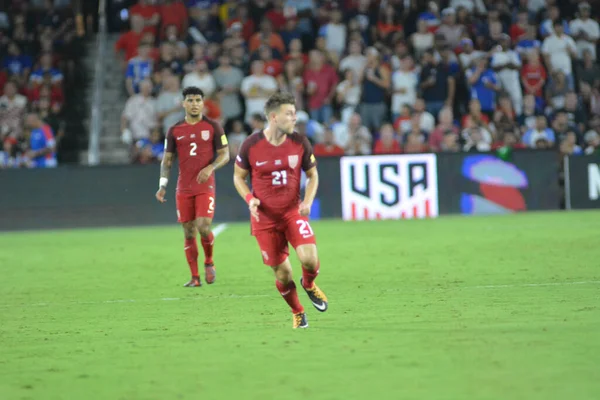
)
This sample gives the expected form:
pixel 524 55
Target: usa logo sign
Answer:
pixel 389 187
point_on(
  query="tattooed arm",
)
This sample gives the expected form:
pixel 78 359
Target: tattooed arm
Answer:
pixel 165 171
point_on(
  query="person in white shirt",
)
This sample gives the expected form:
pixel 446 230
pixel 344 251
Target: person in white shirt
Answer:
pixel 585 30
pixel 468 55
pixel 507 64
pixel 201 78
pixel 404 86
pixel 471 5
pixel 348 94
pixel 139 117
pixel 334 33
pixel 257 88
pixel 558 50
pixel 355 60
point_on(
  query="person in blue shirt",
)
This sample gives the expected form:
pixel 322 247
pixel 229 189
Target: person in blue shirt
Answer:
pixel 484 85
pixel 139 68
pixel 42 146
pixel 16 63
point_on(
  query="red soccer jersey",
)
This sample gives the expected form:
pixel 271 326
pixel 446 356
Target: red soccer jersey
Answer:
pixel 196 147
pixel 275 171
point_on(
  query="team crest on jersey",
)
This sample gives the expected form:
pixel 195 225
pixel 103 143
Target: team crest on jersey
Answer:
pixel 293 161
pixel 205 135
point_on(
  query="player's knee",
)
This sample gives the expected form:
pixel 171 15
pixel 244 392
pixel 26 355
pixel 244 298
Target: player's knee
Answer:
pixel 283 273
pixel 189 231
pixel 204 229
pixel 309 261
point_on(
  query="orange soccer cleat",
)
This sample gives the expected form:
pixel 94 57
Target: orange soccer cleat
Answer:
pixel 209 273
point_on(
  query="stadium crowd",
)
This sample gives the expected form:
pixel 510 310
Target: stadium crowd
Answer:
pixel 36 60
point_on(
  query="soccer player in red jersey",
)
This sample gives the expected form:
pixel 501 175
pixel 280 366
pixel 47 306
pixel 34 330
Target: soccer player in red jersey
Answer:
pixel 274 158
pixel 195 140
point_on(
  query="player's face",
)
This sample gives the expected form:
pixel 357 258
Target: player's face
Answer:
pixel 193 105
pixel 286 118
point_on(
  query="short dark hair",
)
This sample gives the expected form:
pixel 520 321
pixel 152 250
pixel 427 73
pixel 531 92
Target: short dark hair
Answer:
pixel 192 91
pixel 277 100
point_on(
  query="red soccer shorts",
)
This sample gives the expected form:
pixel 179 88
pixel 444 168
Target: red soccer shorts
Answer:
pixel 191 207
pixel 273 242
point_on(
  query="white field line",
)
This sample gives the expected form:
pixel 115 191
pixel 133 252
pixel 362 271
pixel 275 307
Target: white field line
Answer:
pixel 250 296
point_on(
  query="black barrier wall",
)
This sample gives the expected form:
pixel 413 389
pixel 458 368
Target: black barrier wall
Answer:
pixel 582 182
pixel 364 187
pixel 68 197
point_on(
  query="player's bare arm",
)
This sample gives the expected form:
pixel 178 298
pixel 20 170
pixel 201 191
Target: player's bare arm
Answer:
pixel 312 184
pixel 239 181
pixel 165 171
pixel 221 160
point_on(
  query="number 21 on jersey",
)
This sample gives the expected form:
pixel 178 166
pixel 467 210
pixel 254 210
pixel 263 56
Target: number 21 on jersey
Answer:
pixel 279 178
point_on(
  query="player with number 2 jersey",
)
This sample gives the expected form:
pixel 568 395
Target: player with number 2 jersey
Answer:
pixel 274 158
pixel 201 147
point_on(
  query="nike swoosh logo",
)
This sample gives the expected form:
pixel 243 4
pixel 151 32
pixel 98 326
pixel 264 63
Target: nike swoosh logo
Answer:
pixel 180 137
pixel 320 307
pixel 189 247
pixel 258 164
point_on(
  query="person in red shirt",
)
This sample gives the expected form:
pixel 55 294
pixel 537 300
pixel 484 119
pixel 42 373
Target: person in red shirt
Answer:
pixel 320 80
pixel 275 157
pixel 129 41
pixel 328 148
pixel 387 143
pixel 276 15
pixel 509 139
pixel 173 12
pixel 533 75
pixel 519 28
pixel 149 12
pixel 196 140
pixel 273 66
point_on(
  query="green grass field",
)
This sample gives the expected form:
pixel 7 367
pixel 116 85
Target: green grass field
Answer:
pixel 453 308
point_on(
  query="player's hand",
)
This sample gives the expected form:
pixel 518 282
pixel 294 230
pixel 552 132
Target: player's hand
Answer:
pixel 304 209
pixel 253 206
pixel 205 174
pixel 160 195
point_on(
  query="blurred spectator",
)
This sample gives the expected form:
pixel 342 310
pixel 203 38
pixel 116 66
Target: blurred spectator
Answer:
pixel 559 50
pixel 200 77
pixel 540 132
pixel 17 64
pixel 257 88
pixel 149 150
pixel 404 86
pixel 236 137
pixel 445 126
pixel 139 116
pixel 328 147
pixel 376 84
pixel 169 109
pixel 139 68
pixel 229 80
pixel 348 94
pixel 484 85
pixel 41 152
pixel 321 81
pixel 585 31
pixel 12 110
pixel 387 142
pixel 507 63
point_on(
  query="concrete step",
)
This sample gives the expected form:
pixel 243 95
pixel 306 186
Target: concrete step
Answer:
pixel 115 156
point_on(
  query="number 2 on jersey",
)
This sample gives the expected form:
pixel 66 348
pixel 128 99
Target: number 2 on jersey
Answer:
pixel 193 149
pixel 279 178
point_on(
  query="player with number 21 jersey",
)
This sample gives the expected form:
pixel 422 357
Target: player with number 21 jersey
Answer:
pixel 274 158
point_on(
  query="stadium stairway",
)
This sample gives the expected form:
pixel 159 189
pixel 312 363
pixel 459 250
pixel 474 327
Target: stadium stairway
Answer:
pixel 112 149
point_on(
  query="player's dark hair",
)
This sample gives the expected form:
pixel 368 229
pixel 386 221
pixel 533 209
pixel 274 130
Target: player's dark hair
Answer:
pixel 277 100
pixel 192 91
